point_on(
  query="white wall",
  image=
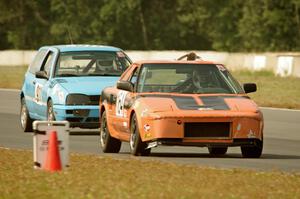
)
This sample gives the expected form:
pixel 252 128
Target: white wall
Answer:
pixel 16 57
pixel 284 64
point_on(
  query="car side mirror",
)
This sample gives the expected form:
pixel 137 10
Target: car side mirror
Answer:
pixel 249 87
pixel 125 85
pixel 41 75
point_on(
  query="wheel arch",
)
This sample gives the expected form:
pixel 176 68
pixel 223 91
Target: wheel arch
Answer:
pixel 101 111
pixel 130 118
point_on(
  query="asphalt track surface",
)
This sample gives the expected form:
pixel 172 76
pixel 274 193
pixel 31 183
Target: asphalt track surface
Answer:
pixel 281 142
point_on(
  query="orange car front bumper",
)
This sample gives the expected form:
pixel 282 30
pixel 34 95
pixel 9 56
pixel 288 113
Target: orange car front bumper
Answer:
pixel 197 129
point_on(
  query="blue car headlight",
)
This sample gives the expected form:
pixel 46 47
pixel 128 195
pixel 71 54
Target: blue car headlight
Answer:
pixel 78 99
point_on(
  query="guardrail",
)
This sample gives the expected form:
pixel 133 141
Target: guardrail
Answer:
pixel 283 64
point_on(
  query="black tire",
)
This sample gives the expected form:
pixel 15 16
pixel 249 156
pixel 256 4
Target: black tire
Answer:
pixel 253 151
pixel 50 112
pixel 108 144
pixel 137 147
pixel 26 121
pixel 217 151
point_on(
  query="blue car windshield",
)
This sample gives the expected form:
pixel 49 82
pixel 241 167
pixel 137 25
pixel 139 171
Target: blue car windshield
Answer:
pixel 91 63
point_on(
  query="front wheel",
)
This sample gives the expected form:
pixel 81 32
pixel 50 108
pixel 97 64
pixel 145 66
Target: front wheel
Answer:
pixel 108 144
pixel 26 121
pixel 137 147
pixel 253 151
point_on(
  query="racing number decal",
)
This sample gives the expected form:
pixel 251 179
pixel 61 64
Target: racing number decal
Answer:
pixel 120 103
pixel 38 92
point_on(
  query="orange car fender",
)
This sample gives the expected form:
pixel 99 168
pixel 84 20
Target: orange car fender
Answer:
pixel 109 119
pixel 143 106
pixel 137 109
pixel 103 107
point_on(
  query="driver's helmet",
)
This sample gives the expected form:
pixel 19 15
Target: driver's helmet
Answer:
pixel 105 65
pixel 200 79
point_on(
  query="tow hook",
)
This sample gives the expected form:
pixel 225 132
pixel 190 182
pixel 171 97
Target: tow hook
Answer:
pixel 152 144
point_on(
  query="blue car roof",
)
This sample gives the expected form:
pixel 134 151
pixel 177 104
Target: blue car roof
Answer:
pixel 82 47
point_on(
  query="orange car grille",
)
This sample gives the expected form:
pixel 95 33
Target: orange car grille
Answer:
pixel 207 129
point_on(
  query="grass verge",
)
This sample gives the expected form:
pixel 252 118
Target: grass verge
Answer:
pixel 12 76
pixel 92 176
pixel 272 91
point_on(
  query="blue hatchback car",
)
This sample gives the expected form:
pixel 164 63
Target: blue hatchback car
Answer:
pixel 64 82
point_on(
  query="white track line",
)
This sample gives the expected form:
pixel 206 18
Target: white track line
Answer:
pixel 280 109
pixel 270 108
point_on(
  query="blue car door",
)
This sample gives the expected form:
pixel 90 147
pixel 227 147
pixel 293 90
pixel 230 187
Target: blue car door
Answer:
pixel 42 85
pixel 30 83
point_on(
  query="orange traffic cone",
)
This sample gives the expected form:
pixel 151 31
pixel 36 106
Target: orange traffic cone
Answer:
pixel 52 162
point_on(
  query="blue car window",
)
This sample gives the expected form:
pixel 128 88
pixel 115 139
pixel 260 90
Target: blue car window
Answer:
pixel 47 66
pixel 37 62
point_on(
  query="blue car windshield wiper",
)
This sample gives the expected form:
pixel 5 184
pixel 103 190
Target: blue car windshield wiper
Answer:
pixel 67 75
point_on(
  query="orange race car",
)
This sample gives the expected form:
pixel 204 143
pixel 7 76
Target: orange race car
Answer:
pixel 187 103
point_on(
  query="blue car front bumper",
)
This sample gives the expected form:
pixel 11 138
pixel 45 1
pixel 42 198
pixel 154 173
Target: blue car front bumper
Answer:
pixel 78 116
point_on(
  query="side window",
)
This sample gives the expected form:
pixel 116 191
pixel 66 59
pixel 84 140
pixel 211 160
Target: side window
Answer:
pixel 143 75
pixel 37 62
pixel 49 60
pixel 134 76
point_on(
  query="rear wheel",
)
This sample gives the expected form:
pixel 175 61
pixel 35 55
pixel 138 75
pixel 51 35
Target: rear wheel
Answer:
pixel 217 151
pixel 253 151
pixel 26 121
pixel 137 147
pixel 108 144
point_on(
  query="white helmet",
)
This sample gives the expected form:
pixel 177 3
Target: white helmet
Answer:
pixel 200 79
pixel 105 65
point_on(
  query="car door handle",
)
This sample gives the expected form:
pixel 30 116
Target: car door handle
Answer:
pixel 33 82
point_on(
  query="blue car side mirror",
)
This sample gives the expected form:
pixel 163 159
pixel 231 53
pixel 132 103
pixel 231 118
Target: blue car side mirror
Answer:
pixel 41 75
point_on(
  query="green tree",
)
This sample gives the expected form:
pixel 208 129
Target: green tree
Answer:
pixel 72 20
pixel 195 24
pixel 223 24
pixel 26 23
pixel 118 23
pixel 269 25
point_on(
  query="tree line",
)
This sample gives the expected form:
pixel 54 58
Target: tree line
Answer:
pixel 222 25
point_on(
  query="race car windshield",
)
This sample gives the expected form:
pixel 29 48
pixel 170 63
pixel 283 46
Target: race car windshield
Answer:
pixel 94 63
pixel 187 78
